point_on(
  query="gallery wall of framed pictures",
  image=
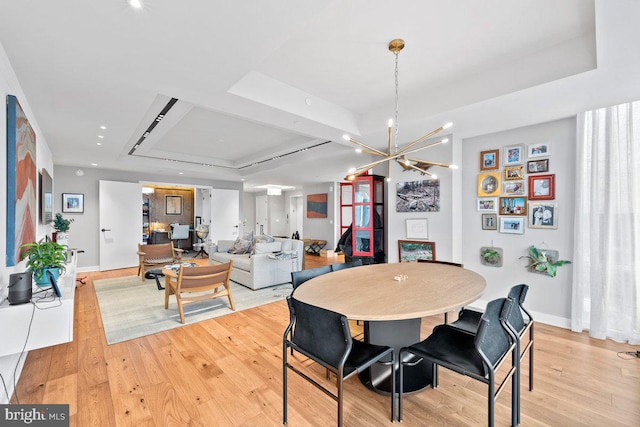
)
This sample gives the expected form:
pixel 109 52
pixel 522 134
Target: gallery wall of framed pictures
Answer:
pixel 516 190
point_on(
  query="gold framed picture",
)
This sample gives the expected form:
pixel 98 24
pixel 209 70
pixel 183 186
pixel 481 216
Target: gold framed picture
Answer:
pixel 489 184
pixel 512 173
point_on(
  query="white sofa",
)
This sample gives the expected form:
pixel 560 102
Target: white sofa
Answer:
pixel 257 270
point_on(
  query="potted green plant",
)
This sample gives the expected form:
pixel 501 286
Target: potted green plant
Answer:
pixel 45 256
pixel 541 261
pixel 61 225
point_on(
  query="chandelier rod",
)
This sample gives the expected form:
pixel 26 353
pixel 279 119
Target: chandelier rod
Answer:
pixel 395 156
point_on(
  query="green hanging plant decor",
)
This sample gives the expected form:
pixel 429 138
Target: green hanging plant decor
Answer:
pixel 544 261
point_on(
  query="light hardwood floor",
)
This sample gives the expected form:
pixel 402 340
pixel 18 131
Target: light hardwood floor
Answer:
pixel 227 371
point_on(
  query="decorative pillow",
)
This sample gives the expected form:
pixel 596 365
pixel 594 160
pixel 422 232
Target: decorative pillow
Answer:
pixel 240 246
pixel 264 248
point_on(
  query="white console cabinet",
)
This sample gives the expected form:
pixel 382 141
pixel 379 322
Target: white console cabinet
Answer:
pixel 52 317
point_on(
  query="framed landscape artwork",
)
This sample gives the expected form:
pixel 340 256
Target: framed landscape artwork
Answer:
pixel 413 250
pixel 489 160
pixel 542 187
pixel 418 196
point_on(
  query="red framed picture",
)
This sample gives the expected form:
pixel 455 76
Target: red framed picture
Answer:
pixel 542 187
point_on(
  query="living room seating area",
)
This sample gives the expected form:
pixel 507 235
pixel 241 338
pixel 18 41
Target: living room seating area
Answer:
pixel 261 261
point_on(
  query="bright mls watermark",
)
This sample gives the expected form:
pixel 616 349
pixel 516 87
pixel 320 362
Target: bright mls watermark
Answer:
pixel 34 415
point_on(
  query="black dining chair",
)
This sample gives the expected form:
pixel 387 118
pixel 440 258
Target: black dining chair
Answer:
pixel 350 264
pixel 299 277
pixel 454 264
pixel 477 356
pixel 521 322
pixel 324 337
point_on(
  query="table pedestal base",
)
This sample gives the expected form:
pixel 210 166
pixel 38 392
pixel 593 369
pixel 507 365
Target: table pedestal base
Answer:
pixel 397 334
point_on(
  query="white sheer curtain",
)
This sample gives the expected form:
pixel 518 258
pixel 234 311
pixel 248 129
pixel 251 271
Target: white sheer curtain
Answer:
pixel 607 224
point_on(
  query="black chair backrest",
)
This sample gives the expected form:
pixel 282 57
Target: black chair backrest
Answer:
pixel 319 333
pixel 356 263
pixel 455 264
pixel 299 277
pixel 492 340
pixel 516 319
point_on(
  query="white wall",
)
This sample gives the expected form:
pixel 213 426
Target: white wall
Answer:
pixel 9 85
pixel 440 223
pixel 548 296
pixel 321 228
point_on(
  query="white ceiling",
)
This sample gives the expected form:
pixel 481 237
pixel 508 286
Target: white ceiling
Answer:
pixel 257 79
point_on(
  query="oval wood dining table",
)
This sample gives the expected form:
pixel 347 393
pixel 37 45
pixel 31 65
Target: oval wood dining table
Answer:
pixel 392 299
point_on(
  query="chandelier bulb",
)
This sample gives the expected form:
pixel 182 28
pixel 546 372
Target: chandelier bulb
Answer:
pixel 453 166
pixel 352 170
pixel 390 123
pixel 346 137
pixel 434 176
pixel 444 141
pixel 388 179
pixel 447 125
pixel 358 150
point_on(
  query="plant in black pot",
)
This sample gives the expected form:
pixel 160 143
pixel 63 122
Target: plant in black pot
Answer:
pixel 45 256
pixel 61 225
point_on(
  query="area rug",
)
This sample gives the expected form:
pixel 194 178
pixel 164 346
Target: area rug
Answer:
pixel 131 308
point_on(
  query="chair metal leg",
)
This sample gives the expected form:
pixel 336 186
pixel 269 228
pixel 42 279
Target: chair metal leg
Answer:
pixel 393 387
pixel 531 357
pixel 284 384
pixel 340 392
pixel 491 400
pixel 401 383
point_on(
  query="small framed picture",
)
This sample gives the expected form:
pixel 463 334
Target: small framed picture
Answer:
pixel 412 250
pixel 543 215
pixel 417 228
pixel 538 166
pixel 513 172
pixel 542 187
pixel 513 155
pixel 514 188
pixel 489 221
pixel 489 160
pixel 173 205
pixel 511 225
pixel 72 203
pixel 488 204
pixel 513 206
pixel 489 184
pixel 542 149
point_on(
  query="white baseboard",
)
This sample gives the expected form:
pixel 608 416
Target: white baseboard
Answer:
pixel 539 317
pixel 88 269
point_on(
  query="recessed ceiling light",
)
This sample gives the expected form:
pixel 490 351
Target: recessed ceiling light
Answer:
pixel 100 136
pixel 103 127
pixel 98 143
pixel 79 172
pixel 180 173
pixel 137 4
pixel 94 164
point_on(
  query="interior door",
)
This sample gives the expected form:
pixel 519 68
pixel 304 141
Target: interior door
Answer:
pixel 262 219
pixel 225 214
pixel 120 224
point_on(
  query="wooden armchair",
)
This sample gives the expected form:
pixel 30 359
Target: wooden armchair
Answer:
pixel 200 279
pixel 154 256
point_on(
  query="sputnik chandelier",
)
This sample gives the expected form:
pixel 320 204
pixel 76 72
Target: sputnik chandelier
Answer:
pixel 400 155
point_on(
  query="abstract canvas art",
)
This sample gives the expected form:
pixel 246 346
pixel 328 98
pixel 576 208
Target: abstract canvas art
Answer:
pixel 317 205
pixel 21 181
